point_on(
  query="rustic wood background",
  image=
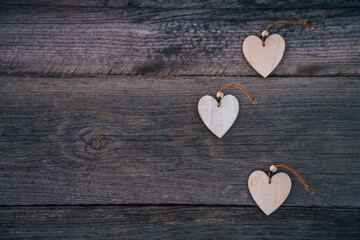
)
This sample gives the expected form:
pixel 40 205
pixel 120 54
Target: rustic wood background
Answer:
pixel 100 136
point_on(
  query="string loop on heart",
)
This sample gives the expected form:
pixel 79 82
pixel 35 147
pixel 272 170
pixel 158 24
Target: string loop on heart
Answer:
pixel 265 33
pixel 238 85
pixel 273 168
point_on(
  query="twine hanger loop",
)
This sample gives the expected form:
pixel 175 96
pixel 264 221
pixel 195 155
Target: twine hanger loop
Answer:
pixel 265 33
pixel 220 94
pixel 273 169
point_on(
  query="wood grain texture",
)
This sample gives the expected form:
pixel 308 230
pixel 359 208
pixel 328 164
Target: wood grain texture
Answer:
pixel 177 222
pixel 157 150
pixel 174 41
pixel 264 4
pixel 71 136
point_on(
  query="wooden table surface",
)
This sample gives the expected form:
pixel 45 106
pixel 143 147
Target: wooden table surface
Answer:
pixel 100 137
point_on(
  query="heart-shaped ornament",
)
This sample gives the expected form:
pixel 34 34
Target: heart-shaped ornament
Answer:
pixel 269 196
pixel 218 119
pixel 264 59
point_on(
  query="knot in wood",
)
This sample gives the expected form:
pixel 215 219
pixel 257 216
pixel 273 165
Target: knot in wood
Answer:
pixel 97 143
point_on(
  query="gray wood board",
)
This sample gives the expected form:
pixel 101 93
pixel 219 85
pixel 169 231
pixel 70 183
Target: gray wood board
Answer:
pixel 177 222
pixel 178 41
pixel 156 149
pixel 264 4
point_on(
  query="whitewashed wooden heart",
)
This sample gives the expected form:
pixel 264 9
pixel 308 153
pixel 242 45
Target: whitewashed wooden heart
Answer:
pixel 269 196
pixel 264 59
pixel 218 119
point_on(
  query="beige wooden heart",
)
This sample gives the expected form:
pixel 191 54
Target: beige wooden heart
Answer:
pixel 264 59
pixel 218 119
pixel 269 196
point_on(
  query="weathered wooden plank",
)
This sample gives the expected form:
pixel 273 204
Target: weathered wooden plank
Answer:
pixel 156 148
pixel 190 3
pixel 177 222
pixel 179 41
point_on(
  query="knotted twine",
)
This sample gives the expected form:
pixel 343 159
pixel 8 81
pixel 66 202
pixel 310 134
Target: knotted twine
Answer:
pixel 273 169
pixel 265 33
pixel 220 94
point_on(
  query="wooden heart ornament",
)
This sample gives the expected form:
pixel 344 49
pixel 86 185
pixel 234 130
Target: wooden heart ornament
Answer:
pixel 270 192
pixel 264 55
pixel 269 196
pixel 264 59
pixel 220 114
pixel 218 119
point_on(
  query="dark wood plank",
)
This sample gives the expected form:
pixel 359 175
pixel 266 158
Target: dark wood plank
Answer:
pixel 178 41
pixel 157 150
pixel 177 222
pixel 190 3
